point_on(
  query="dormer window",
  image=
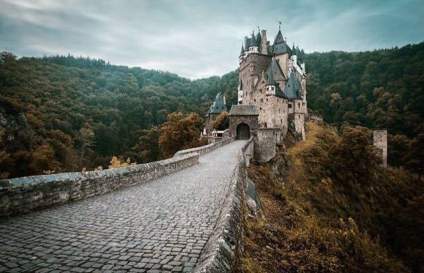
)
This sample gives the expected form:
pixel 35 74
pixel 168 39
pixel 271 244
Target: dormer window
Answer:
pixel 270 90
pixel 253 49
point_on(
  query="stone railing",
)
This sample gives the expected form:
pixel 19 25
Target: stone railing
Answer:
pixel 204 149
pixel 21 195
pixel 222 251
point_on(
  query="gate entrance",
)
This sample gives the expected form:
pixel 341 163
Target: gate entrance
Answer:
pixel 243 131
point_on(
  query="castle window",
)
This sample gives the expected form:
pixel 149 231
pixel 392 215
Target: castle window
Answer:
pixel 266 99
pixel 298 104
pixel 254 100
pixel 290 105
pixel 262 100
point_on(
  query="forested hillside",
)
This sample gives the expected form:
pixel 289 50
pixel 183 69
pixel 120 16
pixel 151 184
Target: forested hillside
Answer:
pixel 329 206
pixel 376 89
pixel 66 113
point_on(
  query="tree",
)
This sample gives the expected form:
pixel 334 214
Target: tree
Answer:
pixel 86 138
pixel 179 132
pixel 222 121
pixel 147 148
pixel 43 159
pixel 415 157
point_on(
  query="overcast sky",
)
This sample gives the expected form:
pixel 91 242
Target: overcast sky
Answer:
pixel 199 38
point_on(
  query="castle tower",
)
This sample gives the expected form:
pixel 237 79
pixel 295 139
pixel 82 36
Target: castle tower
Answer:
pixel 281 51
pixel 380 142
pixel 252 64
pixel 272 79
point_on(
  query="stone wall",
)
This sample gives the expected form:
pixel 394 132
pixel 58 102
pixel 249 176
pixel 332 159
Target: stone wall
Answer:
pixel 206 148
pixel 223 249
pixel 21 195
pixel 299 125
pixel 266 143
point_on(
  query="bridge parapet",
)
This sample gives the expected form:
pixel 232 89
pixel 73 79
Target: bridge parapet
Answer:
pixel 21 195
pixel 222 251
pixel 205 149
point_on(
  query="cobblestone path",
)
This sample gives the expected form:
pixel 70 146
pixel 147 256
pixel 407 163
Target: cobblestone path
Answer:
pixel 161 226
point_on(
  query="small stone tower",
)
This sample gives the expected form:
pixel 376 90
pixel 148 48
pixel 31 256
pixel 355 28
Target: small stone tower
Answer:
pixel 380 142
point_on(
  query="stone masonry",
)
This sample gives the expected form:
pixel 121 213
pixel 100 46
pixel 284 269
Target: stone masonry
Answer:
pixel 21 195
pixel 160 226
pixel 380 142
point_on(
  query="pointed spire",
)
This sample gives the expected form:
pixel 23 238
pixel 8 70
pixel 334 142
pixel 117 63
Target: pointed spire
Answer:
pixel 279 38
pixel 242 50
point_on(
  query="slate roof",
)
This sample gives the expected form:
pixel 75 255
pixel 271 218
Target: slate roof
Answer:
pixel 279 38
pixel 280 46
pixel 218 106
pixel 244 110
pixel 274 74
pixel 292 88
pixel 252 41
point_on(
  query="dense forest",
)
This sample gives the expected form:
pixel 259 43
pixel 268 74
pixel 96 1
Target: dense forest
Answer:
pixel 376 89
pixel 64 113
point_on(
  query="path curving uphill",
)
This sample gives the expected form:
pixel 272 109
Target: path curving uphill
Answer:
pixel 161 226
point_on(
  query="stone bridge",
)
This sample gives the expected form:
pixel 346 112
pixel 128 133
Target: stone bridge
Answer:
pixel 184 221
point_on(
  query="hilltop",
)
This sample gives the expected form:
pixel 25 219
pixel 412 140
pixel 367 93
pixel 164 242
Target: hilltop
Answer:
pixel 329 206
pixel 65 113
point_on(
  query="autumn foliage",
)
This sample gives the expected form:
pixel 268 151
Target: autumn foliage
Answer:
pixel 329 206
pixel 179 132
pixel 222 121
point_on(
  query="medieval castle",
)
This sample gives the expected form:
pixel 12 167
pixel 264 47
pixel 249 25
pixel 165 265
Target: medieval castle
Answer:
pixel 273 78
pixel 271 91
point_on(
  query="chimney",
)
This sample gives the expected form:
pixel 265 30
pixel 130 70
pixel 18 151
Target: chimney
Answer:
pixel 264 42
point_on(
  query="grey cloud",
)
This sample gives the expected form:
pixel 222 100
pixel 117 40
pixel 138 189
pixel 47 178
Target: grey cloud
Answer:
pixel 199 38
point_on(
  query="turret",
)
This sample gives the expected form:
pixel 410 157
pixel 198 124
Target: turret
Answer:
pixel 281 51
pixel 280 46
pixel 253 47
pixel 241 57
